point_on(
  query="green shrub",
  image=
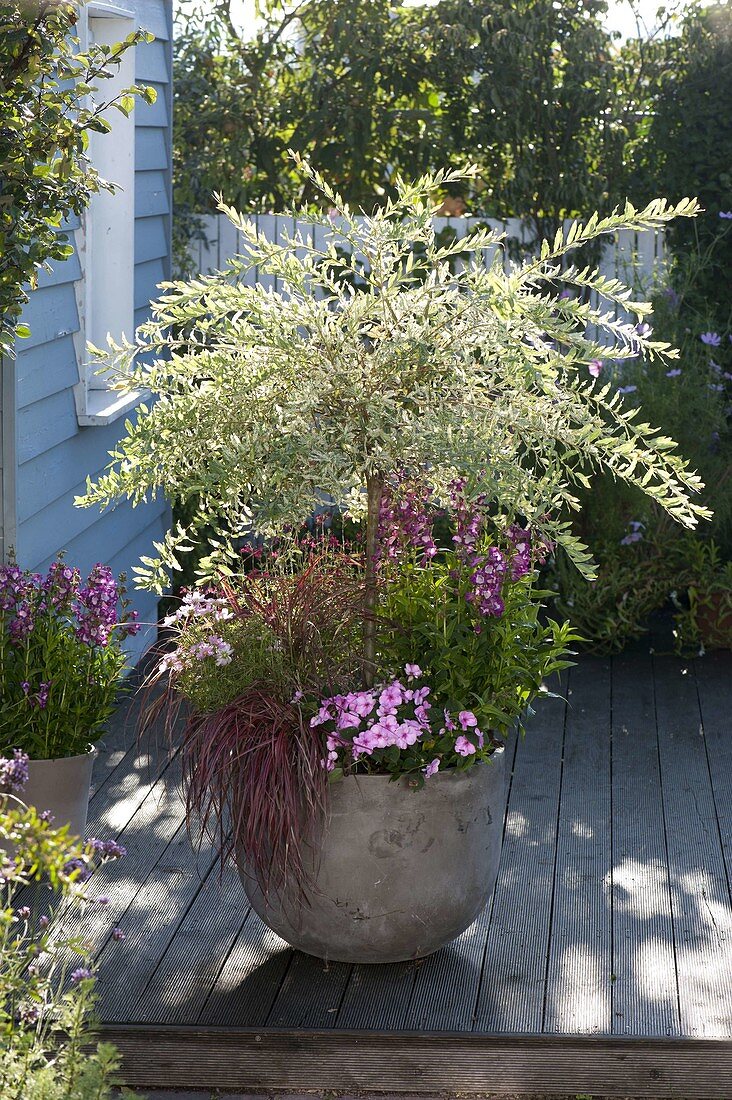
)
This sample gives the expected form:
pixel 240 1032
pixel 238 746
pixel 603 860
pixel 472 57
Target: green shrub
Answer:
pixel 46 976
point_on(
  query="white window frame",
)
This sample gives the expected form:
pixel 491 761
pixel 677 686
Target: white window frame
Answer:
pixel 105 242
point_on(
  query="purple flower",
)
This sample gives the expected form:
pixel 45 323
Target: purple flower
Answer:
pixel 13 586
pixel 713 339
pixel 13 772
pixel 118 934
pixel 431 768
pixel 405 517
pixel 72 866
pixel 102 900
pixel 595 367
pixel 627 389
pixel 81 975
pixel 24 912
pixel 391 696
pixel 107 849
pixel 671 297
pixel 28 1014
pixel 673 373
pixel 44 921
pixel 96 607
pixel 23 622
pixel 725 214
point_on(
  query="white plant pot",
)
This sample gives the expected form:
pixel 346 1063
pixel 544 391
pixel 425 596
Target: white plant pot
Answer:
pixel 62 787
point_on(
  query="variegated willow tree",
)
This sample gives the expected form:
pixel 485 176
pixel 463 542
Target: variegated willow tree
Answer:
pixel 378 352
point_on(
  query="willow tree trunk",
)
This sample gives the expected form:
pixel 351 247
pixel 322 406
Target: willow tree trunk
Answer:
pixel 374 490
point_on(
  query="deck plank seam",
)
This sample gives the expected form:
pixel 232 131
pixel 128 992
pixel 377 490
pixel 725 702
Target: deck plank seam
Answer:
pixel 556 858
pixel 489 922
pixel 612 841
pixel 672 908
pixel 712 785
pixel 219 972
pixel 281 984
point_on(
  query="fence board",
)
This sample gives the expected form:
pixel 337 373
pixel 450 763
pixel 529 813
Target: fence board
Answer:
pixel 632 257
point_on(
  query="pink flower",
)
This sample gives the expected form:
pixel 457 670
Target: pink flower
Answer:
pixel 432 768
pixel 464 747
pixel 346 721
pixel 363 703
pixel 391 696
pixel 413 671
pixel 466 718
pixel 595 367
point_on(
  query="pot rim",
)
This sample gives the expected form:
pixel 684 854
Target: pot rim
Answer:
pixel 499 751
pixel 91 751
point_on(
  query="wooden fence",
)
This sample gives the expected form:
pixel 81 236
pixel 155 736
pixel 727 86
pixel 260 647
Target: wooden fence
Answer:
pixel 634 258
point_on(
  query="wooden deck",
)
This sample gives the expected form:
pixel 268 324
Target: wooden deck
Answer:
pixel 603 963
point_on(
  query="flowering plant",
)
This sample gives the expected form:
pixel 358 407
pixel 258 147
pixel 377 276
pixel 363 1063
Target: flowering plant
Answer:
pixel 61 656
pixel 46 973
pixel 395 729
pixel 458 597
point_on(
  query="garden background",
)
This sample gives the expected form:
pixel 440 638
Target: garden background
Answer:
pixel 562 115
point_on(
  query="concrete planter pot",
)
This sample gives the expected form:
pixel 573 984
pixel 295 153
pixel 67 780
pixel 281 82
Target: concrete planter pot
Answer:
pixel 61 786
pixel 398 873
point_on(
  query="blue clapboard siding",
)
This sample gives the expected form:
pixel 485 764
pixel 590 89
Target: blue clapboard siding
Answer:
pixel 54 454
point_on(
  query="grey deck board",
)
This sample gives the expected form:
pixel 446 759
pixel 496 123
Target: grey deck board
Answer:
pixel 446 984
pixel 180 985
pixel 377 997
pixel 702 914
pixel 149 924
pixel 714 689
pixel 611 914
pixel 312 990
pixel 514 975
pixel 249 979
pixel 579 971
pixel 644 994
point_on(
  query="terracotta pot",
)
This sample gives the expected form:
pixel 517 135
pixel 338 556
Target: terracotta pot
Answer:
pixel 398 873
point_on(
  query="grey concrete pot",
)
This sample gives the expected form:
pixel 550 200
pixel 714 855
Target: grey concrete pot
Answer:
pixel 399 873
pixel 61 786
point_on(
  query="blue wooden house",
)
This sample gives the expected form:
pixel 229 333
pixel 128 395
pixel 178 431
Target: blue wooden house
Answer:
pixel 58 419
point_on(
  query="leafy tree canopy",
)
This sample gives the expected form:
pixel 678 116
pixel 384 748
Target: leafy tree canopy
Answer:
pixel 49 103
pixel 265 401
pixel 536 93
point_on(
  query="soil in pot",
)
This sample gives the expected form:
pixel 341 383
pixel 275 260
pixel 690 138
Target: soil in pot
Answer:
pixel 398 872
